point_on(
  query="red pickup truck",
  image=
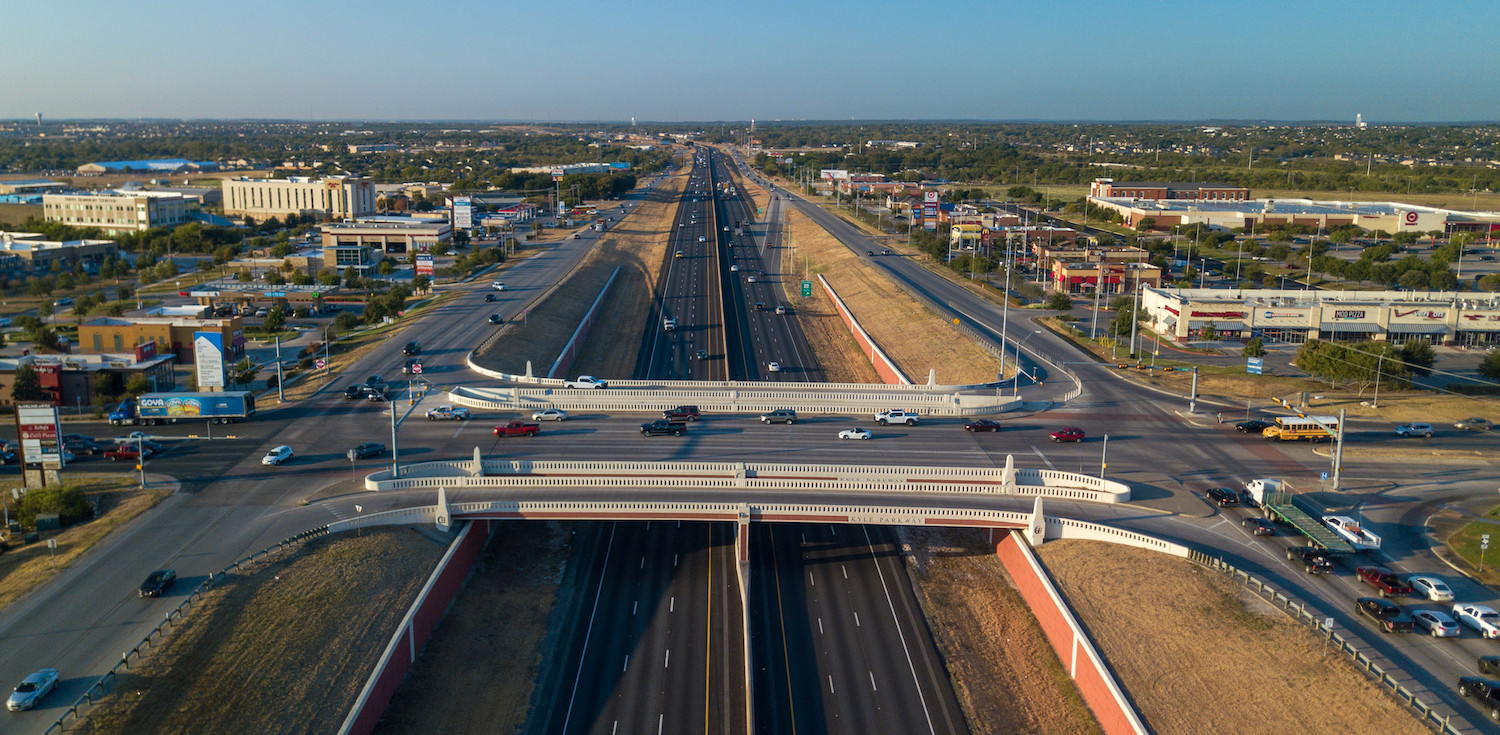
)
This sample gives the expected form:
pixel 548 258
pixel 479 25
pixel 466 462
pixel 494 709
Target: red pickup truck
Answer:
pixel 1385 581
pixel 518 428
pixel 126 451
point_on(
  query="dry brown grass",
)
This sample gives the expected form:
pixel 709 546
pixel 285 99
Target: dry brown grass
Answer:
pixel 24 568
pixel 915 339
pixel 478 670
pixel 637 245
pixel 1006 675
pixel 1196 659
pixel 284 648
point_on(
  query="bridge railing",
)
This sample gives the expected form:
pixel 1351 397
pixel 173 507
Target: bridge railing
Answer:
pixel 746 400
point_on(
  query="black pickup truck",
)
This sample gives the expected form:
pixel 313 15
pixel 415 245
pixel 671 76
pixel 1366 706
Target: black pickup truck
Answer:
pixel 1386 614
pixel 657 428
pixel 1313 559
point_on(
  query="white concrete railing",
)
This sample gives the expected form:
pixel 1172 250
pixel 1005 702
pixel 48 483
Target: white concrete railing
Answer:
pixel 753 398
pixel 752 476
pixel 905 390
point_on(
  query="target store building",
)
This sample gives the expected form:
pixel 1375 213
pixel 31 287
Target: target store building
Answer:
pixel 1441 317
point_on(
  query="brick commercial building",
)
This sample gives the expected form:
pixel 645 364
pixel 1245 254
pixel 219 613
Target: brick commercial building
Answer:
pixel 172 335
pixel 1109 188
pixel 73 380
pixel 335 197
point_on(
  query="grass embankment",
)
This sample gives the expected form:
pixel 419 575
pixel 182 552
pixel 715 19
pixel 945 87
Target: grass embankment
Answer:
pixel 284 648
pixel 24 568
pixel 1004 672
pixel 915 339
pixel 637 245
pixel 1465 543
pixel 1178 631
pixel 478 670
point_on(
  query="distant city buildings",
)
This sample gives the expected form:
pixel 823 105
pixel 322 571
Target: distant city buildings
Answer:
pixel 116 212
pixel 575 168
pixel 160 165
pixel 334 197
pixel 39 252
pixel 1390 217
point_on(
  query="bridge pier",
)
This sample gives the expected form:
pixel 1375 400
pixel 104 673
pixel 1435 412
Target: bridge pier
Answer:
pixel 477 469
pixel 444 513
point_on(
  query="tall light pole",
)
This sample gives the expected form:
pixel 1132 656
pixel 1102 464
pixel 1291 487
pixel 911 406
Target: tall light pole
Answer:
pixel 1103 456
pixel 1098 286
pixel 1135 313
pixel 1016 379
pixel 1005 306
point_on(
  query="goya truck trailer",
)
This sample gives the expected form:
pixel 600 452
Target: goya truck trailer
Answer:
pixel 169 408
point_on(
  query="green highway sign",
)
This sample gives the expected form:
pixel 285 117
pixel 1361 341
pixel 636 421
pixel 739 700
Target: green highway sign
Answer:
pixel 806 289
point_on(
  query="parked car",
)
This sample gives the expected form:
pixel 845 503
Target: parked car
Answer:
pixel 983 425
pixel 448 413
pixel 1437 624
pixel 1253 426
pixel 1482 619
pixel 1385 581
pixel 549 414
pixel 1408 430
pixel 1474 423
pixel 366 450
pixel 779 416
pixel 1430 587
pixel 1386 614
pixel 277 455
pixel 83 445
pixel 32 690
pixel 1259 526
pixel 855 433
pixel 1224 496
pixel 157 582
pixel 1070 434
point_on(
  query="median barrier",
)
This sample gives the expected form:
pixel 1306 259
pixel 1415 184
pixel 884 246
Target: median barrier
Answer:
pixel 751 399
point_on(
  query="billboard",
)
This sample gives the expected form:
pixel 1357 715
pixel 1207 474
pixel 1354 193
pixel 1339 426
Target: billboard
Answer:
pixel 38 427
pixel 930 210
pixel 208 356
pixel 424 265
pixel 463 213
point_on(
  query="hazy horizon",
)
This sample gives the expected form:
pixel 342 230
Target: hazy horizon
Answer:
pixel 676 62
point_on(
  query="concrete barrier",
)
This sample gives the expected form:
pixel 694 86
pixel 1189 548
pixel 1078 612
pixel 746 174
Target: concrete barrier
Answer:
pixel 748 398
pixel 420 620
pixel 564 361
pixel 884 367
pixel 1084 664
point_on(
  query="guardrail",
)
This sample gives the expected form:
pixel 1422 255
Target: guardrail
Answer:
pixel 105 683
pixel 750 399
pixel 752 476
pixel 1298 611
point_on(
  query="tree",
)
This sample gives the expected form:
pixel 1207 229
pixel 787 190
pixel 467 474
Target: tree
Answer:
pixel 328 277
pixel 1413 280
pixel 1059 301
pixel 1209 332
pixel 27 385
pixel 387 266
pixel 107 385
pixel 1418 354
pixel 139 385
pixel 276 319
pixel 1146 224
pixel 1490 366
pixel 243 372
pixel 420 284
pixel 1256 347
pixel 275 278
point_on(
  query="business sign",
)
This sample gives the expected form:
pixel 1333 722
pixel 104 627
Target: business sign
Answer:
pixel 424 265
pixel 208 356
pixel 930 210
pixel 557 174
pixel 1219 314
pixel 40 431
pixel 1418 314
pixel 1349 314
pixel 833 174
pixel 463 213
pixel 1255 365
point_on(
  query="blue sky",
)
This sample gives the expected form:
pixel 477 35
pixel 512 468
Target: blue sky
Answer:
pixel 588 60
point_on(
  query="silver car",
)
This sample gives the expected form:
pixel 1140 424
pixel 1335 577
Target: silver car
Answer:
pixel 1437 624
pixel 32 689
pixel 550 414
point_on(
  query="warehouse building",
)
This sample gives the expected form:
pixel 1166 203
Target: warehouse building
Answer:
pixel 1275 315
pixel 116 212
pixel 1260 214
pixel 1109 188
pixel 334 197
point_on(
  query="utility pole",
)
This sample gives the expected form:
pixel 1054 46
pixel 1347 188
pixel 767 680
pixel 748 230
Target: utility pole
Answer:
pixel 1379 362
pixel 1135 313
pixel 280 389
pixel 1103 456
pixel 1338 452
pixel 1193 399
pixel 395 463
pixel 1098 286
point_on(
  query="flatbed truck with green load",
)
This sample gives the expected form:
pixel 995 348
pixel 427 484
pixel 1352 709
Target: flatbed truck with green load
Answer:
pixel 1278 504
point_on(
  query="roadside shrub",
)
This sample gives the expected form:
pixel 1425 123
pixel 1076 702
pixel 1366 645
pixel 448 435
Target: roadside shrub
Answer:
pixel 65 500
pixel 1059 301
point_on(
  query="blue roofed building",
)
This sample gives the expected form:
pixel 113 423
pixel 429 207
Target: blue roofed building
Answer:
pixel 158 165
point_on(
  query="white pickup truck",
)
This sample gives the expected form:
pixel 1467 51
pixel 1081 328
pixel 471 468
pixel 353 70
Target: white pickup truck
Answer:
pixel 897 416
pixel 586 381
pixel 1359 537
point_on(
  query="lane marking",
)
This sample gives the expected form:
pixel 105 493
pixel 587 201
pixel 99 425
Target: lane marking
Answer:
pixel 869 544
pixel 830 683
pixel 672 604
pixel 568 717
pixel 1038 453
pixel 667 663
pixel 626 667
pixel 856 620
pixel 873 688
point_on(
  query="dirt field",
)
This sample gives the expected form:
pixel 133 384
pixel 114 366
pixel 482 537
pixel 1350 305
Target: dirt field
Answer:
pixel 1005 674
pixel 1178 633
pixel 313 622
pixel 637 245
pixel 915 338
pixel 24 568
pixel 477 672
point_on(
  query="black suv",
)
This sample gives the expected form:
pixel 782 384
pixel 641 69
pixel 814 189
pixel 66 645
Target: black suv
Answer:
pixel 1386 614
pixel 157 582
pixel 1224 496
pixel 1313 559
pixel 1487 691
pixel 413 348
pixel 368 449
pixel 681 413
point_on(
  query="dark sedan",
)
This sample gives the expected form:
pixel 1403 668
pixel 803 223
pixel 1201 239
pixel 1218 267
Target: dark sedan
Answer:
pixel 354 392
pixel 368 449
pixel 982 425
pixel 1253 426
pixel 157 582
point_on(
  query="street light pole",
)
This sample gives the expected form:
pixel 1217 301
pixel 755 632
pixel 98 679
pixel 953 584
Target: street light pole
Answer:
pixel 280 390
pixel 395 462
pixel 1016 379
pixel 1135 313
pixel 1193 399
pixel 1103 456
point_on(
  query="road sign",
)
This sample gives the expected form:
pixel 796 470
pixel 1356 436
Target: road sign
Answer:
pixel 806 289
pixel 1325 475
pixel 321 363
pixel 1484 541
pixel 1255 365
pixel 417 368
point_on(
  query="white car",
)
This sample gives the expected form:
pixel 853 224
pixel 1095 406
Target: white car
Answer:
pixel 586 381
pixel 1437 624
pixel 1431 588
pixel 774 367
pixel 549 414
pixel 1406 430
pixel 1480 618
pixel 854 434
pixel 277 456
pixel 32 689
pixel 734 269
pixel 498 285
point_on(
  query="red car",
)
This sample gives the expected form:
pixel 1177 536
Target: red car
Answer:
pixel 982 425
pixel 1070 434
pixel 1387 582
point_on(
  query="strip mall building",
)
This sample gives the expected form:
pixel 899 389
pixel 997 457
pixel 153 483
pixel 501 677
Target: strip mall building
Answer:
pixel 1442 317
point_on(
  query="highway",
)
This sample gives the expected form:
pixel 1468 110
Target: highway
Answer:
pixel 689 295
